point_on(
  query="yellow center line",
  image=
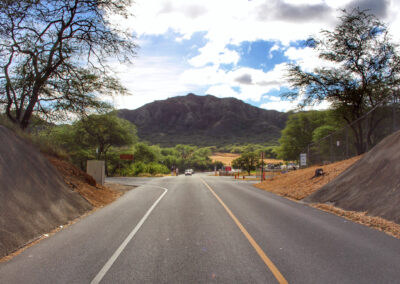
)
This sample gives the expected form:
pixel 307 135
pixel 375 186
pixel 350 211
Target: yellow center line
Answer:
pixel 257 248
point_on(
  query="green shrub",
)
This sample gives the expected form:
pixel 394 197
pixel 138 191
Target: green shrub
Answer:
pixel 155 168
pixel 142 169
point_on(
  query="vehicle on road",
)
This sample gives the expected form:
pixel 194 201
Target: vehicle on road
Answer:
pixel 292 166
pixel 188 172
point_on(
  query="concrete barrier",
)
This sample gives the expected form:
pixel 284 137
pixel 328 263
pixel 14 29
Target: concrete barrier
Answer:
pixel 96 169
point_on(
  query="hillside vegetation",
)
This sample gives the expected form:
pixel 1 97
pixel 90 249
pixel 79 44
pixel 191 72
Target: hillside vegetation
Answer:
pixel 205 121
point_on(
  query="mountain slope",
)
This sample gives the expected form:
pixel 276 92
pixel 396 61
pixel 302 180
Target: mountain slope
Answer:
pixel 205 120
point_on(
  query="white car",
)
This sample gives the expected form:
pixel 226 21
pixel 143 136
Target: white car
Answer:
pixel 292 166
pixel 188 172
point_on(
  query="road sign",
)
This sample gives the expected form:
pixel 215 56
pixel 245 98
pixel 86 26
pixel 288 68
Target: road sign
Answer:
pixel 126 157
pixel 303 159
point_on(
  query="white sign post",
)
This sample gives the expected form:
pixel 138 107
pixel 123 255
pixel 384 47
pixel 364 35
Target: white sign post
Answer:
pixel 303 159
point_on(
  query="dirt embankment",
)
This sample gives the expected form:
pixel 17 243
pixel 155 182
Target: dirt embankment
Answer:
pixel 33 196
pixel 370 185
pixel 300 183
pixel 39 194
pixel 362 189
pixel 85 185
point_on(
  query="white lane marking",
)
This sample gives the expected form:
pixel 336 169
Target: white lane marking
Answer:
pixel 114 257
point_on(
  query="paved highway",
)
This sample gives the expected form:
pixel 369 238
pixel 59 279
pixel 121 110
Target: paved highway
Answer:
pixel 204 229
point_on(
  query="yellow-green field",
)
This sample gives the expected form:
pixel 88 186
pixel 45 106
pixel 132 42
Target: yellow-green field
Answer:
pixel 227 158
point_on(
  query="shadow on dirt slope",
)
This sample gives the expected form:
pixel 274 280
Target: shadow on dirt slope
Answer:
pixel 33 196
pixel 372 184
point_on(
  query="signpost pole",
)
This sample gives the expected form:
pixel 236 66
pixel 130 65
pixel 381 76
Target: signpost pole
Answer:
pixel 262 166
pixel 303 160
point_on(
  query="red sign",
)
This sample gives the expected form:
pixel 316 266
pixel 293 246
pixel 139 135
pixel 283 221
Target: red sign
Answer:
pixel 126 157
pixel 228 169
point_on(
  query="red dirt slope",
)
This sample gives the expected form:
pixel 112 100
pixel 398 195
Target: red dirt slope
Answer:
pixel 84 184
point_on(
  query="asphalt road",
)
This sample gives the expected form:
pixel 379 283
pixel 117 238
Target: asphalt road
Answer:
pixel 204 229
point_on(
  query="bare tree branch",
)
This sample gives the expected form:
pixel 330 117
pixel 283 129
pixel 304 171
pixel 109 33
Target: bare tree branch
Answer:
pixel 42 47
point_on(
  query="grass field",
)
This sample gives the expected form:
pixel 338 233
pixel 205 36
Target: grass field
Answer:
pixel 225 158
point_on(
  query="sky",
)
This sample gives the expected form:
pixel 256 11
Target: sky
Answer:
pixel 229 48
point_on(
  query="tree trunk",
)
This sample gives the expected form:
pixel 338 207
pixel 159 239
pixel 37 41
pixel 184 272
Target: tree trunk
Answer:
pixel 29 109
pixel 358 134
pixel 105 164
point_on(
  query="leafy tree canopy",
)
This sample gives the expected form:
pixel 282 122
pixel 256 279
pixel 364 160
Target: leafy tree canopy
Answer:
pixel 145 153
pixel 363 70
pixel 53 56
pixel 302 129
pixel 247 161
pixel 102 131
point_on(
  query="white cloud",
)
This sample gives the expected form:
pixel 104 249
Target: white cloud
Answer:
pixel 278 104
pixel 209 75
pixel 149 79
pixel 222 82
pixel 283 106
pixel 307 58
pixel 273 98
pixel 394 20
pixel 227 22
pixel 223 20
pixel 212 53
pixel 222 91
pixel 275 47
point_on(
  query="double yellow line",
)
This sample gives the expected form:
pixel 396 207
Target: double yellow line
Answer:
pixel 254 244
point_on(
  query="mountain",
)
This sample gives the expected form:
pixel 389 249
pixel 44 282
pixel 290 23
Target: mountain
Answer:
pixel 205 121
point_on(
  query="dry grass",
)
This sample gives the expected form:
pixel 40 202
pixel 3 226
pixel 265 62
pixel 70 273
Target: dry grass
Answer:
pixel 227 158
pixel 81 182
pixel 119 187
pixel 299 184
pixel 377 223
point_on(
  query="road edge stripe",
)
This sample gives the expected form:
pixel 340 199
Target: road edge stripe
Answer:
pixel 254 244
pixel 116 254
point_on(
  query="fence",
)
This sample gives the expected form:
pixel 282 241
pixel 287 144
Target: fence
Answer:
pixel 356 138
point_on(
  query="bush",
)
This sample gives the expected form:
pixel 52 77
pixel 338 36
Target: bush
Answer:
pixel 155 168
pixel 47 146
pixel 42 142
pixel 142 169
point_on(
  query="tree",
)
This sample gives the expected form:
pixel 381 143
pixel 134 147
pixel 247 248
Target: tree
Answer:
pixel 247 161
pixel 364 71
pixel 185 151
pixel 269 152
pixel 144 153
pixel 53 56
pixel 299 131
pixel 103 131
pixel 185 156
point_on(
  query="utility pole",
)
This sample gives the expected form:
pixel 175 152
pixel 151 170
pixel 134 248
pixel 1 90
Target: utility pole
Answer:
pixel 262 166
